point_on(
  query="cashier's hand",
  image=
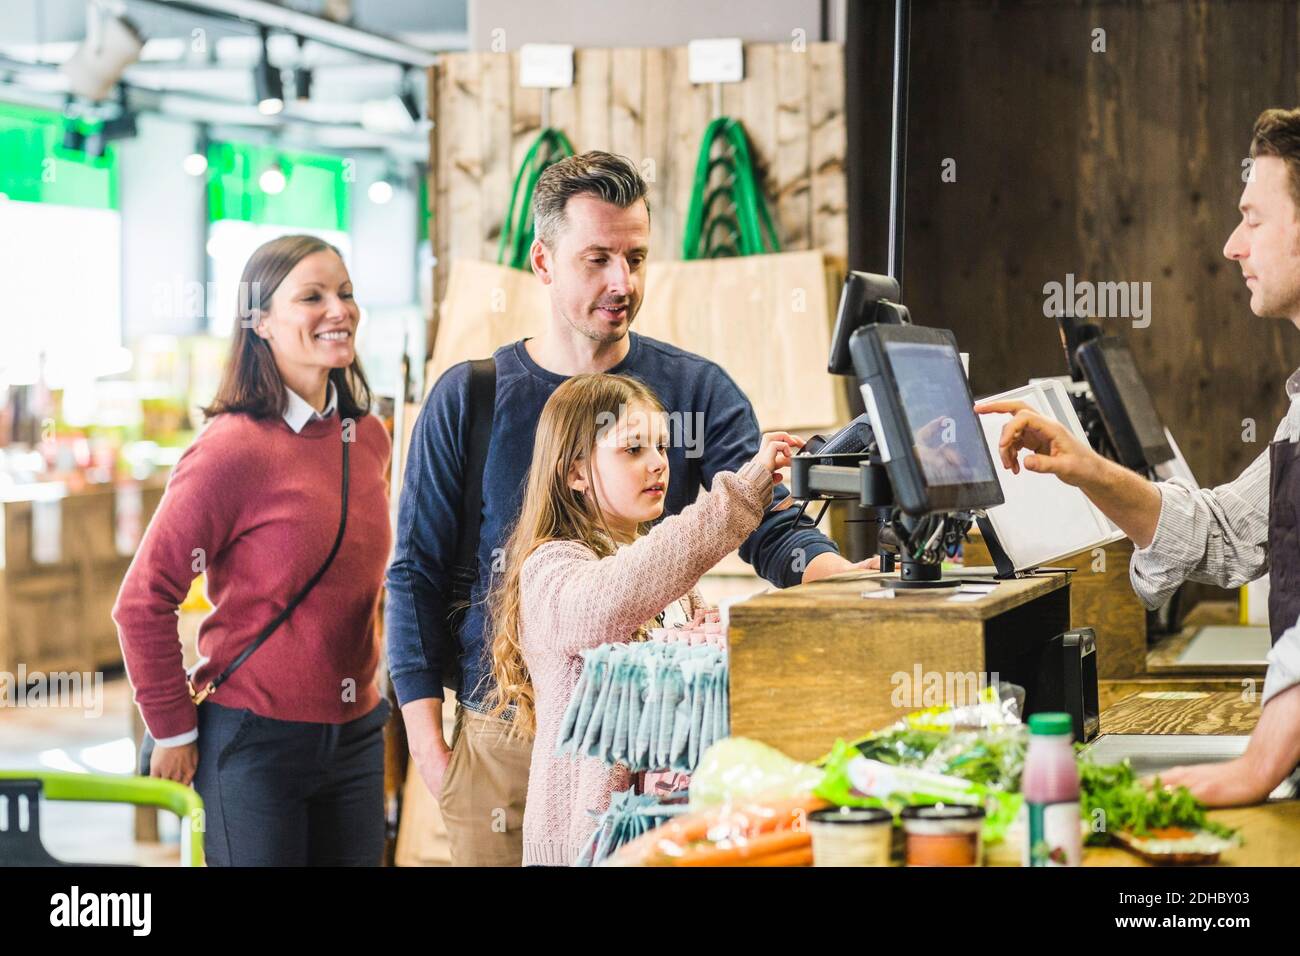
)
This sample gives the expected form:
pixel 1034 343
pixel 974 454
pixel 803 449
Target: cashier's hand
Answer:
pixel 1232 784
pixel 175 763
pixel 774 454
pixel 1055 450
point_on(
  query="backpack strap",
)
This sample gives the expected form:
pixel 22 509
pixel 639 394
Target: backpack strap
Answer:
pixel 481 410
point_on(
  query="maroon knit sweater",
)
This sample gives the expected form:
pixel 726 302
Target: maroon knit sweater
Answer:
pixel 257 507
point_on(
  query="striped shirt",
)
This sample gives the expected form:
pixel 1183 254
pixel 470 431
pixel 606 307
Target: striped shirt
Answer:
pixel 1220 536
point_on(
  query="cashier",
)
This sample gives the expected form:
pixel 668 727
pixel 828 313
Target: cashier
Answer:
pixel 1236 532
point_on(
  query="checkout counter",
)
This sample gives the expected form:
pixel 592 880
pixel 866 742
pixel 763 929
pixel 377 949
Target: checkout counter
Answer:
pixel 844 656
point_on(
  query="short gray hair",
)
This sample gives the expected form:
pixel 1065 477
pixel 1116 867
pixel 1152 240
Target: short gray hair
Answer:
pixel 611 178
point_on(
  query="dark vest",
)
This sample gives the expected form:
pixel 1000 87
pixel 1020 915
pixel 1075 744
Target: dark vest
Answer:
pixel 1283 537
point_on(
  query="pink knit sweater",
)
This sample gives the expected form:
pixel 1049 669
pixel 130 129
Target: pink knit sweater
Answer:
pixel 571 600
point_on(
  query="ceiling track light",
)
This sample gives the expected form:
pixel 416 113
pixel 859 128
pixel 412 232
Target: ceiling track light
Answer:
pixel 196 163
pixel 407 96
pixel 302 74
pixel 121 126
pixel 74 139
pixel 273 179
pixel 267 82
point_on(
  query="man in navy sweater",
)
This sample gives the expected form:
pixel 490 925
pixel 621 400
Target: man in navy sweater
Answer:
pixel 593 230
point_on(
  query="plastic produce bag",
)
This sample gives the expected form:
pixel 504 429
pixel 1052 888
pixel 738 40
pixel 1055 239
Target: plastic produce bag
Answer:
pixel 750 833
pixel 738 769
pixel 857 781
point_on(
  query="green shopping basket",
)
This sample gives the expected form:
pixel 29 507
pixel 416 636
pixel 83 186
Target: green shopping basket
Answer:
pixel 21 792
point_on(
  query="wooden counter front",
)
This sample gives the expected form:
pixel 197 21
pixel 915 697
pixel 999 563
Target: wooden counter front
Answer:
pixel 820 661
pixel 1102 598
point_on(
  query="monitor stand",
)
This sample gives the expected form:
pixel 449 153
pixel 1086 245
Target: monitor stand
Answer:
pixel 914 575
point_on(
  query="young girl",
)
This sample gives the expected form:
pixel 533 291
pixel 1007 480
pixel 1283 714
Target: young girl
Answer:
pixel 581 570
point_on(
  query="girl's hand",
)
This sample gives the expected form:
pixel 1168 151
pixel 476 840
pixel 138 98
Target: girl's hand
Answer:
pixel 774 453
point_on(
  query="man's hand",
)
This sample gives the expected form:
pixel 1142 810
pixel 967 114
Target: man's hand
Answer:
pixel 828 563
pixel 1273 752
pixel 1124 496
pixel 1055 449
pixel 175 763
pixel 423 719
pixel 1236 783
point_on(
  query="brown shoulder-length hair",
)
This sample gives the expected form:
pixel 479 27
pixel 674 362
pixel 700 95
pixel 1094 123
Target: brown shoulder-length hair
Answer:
pixel 572 422
pixel 251 383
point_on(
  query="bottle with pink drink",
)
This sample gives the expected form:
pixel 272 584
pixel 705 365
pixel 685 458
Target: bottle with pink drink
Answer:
pixel 1050 785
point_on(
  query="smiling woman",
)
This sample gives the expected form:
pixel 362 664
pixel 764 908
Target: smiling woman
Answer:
pixel 295 327
pixel 285 745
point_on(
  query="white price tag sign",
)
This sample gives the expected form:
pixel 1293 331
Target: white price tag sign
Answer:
pixel 716 61
pixel 546 66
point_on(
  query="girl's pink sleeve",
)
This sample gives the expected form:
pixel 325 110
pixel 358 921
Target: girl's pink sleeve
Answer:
pixel 583 599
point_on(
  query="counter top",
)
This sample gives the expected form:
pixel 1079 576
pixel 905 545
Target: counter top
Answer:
pixel 1271 831
pixel 845 592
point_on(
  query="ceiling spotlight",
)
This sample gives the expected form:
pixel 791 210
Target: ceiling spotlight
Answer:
pixel 380 192
pixel 121 126
pixel 196 163
pixel 301 75
pixel 96 143
pixel 407 96
pixel 112 44
pixel 73 138
pixel 268 83
pixel 272 181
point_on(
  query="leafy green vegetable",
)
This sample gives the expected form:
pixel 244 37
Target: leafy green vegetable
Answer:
pixel 1127 804
pixel 991 759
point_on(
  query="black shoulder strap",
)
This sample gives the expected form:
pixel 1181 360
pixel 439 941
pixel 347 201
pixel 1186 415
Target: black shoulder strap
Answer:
pixel 289 608
pixel 481 410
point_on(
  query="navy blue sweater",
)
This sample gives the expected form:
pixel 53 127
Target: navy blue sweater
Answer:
pixel 712 429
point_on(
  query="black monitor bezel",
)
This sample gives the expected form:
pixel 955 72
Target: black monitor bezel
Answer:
pixel 1094 358
pixel 859 297
pixel 911 491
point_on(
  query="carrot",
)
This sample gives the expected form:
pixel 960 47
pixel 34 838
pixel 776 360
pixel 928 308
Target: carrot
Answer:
pixel 693 834
pixel 800 857
pixel 734 853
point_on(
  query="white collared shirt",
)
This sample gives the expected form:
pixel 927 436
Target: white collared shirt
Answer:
pixel 298 411
pixel 1220 536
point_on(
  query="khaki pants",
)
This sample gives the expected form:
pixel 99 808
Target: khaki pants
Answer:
pixel 483 791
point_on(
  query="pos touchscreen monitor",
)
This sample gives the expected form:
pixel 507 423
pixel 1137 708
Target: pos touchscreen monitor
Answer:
pixel 1125 404
pixel 923 417
pixel 865 300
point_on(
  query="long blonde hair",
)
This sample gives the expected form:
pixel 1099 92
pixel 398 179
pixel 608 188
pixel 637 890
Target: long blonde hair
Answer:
pixel 567 432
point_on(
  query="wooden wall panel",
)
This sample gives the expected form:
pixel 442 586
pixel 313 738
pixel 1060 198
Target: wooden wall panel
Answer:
pixel 638 102
pixel 1115 166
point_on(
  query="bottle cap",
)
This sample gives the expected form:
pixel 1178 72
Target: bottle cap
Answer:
pixel 1050 724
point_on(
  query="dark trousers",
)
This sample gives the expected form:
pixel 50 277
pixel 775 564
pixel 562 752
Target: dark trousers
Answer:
pixel 288 793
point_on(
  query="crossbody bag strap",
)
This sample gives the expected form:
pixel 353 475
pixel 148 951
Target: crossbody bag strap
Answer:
pixel 283 616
